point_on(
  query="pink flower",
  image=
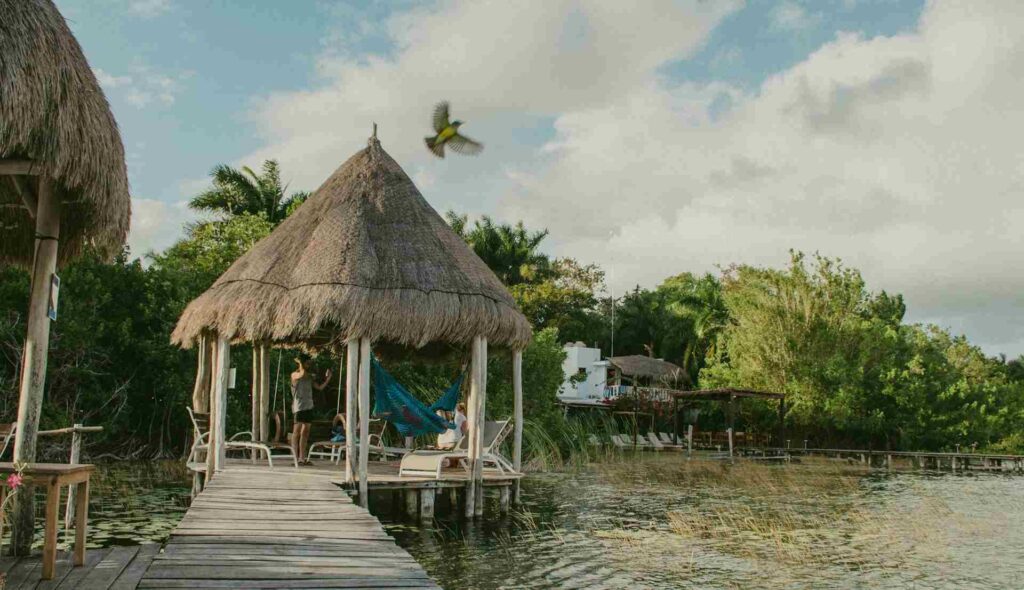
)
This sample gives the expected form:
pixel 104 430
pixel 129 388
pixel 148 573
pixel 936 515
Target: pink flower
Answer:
pixel 14 480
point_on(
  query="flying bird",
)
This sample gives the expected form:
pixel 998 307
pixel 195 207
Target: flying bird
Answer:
pixel 448 134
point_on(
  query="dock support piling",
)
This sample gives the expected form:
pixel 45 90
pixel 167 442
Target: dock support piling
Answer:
pixel 411 503
pixel 503 499
pixel 427 496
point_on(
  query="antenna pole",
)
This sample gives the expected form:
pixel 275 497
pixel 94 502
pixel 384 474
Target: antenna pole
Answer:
pixel 375 130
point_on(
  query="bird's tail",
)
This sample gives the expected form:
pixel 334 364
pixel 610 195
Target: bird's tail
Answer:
pixel 433 146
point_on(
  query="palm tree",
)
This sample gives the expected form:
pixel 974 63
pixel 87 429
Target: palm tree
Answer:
pixel 237 192
pixel 509 250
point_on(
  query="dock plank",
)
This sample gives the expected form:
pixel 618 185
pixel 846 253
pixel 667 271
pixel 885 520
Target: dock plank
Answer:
pixel 277 529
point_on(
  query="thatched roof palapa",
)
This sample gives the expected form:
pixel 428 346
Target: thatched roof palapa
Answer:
pixel 53 112
pixel 364 256
pixel 636 365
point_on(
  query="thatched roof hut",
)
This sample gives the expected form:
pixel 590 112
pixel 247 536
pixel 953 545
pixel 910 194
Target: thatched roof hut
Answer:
pixel 639 366
pixel 54 115
pixel 364 257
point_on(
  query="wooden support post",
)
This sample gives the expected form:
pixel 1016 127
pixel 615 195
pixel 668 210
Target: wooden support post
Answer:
pixel 201 390
pixel 211 454
pixel 254 405
pixel 264 392
pixel 453 499
pixel 478 465
pixel 729 432
pixel 351 412
pixel 503 499
pixel 50 534
pixel 474 427
pixel 34 356
pixel 364 421
pixel 517 412
pixel 689 440
pixel 76 452
pixel 427 496
pixel 888 461
pixel 675 420
pixel 411 506
pixel 220 389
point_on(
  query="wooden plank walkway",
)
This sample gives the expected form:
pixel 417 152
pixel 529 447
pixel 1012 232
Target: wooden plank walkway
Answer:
pixel 114 568
pixel 268 529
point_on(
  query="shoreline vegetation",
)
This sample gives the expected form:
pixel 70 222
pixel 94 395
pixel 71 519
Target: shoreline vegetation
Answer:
pixel 855 374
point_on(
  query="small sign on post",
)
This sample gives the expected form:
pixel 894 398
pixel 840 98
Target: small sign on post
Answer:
pixel 51 306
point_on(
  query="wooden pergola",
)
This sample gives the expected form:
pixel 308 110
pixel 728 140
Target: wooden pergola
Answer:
pixel 729 396
pixel 364 261
pixel 63 187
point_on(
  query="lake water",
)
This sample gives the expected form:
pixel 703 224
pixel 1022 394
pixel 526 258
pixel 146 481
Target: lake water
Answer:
pixel 663 522
pixel 653 524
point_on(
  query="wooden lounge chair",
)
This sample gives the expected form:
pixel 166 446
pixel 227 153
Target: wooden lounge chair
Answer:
pixel 335 451
pixel 201 423
pixel 427 463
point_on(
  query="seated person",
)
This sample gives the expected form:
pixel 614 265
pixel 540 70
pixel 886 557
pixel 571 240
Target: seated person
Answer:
pixel 450 438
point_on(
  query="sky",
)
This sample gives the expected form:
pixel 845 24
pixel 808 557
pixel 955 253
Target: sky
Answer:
pixel 650 138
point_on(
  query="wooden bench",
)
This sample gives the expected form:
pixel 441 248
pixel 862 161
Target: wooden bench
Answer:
pixel 55 476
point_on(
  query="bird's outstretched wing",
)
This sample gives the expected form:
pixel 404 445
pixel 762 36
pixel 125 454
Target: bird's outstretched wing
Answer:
pixel 465 145
pixel 441 116
pixel 436 148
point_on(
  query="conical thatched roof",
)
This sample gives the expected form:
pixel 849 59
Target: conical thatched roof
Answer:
pixel 53 112
pixel 364 256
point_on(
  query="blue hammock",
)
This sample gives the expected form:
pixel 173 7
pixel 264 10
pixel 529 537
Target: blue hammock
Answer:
pixel 409 415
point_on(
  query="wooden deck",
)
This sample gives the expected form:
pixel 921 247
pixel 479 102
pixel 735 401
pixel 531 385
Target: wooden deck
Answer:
pixel 280 528
pixel 114 568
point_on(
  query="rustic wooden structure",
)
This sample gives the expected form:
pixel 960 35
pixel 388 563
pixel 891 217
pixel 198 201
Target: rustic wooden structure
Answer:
pixel 729 396
pixel 116 568
pixel 63 186
pixel 365 262
pixel 257 528
pixel 55 476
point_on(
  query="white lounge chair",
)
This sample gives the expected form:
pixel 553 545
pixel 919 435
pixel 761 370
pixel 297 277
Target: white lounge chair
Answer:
pixel 428 463
pixel 201 423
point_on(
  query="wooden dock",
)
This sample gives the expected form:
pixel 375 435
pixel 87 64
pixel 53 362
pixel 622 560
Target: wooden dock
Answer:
pixel 113 568
pixel 254 528
pixel 939 461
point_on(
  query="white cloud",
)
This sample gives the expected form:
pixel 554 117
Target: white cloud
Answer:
pixel 148 8
pixel 791 16
pixel 110 81
pixel 145 86
pixel 894 153
pixel 157 224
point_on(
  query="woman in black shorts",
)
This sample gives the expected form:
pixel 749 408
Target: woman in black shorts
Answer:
pixel 302 406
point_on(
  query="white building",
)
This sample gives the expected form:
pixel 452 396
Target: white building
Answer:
pixel 586 375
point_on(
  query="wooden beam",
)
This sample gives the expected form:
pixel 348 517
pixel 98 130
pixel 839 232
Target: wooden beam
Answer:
pixel 264 392
pixel 517 412
pixel 28 196
pixel 201 390
pixel 211 454
pixel 222 376
pixel 364 421
pixel 473 430
pixel 254 402
pixel 351 412
pixel 21 167
pixel 478 467
pixel 37 344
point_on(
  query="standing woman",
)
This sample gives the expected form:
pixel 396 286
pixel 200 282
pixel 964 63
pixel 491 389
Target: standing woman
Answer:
pixel 302 406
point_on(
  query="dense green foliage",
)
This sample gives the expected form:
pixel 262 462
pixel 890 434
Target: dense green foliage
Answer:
pixel 854 372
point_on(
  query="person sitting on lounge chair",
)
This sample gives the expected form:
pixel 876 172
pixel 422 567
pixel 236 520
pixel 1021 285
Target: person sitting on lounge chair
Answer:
pixel 451 437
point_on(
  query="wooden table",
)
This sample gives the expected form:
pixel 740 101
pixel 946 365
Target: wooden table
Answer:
pixel 55 476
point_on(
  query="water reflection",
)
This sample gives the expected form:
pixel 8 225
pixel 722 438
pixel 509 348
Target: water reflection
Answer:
pixel 652 524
